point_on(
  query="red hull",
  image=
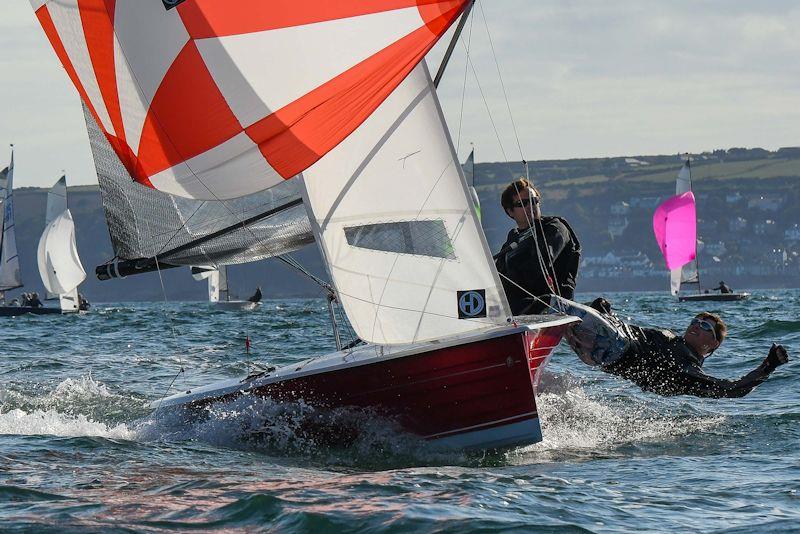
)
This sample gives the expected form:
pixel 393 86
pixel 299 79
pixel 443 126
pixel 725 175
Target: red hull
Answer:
pixel 472 395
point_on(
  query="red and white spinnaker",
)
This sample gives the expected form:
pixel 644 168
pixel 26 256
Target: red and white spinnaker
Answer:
pixel 216 100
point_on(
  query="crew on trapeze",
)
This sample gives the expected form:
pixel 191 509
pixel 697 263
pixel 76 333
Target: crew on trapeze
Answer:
pixel 540 256
pixel 656 359
pixel 723 288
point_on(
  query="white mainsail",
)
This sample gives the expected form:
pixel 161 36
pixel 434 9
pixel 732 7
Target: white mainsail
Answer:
pixel 56 200
pixel 398 229
pixel 10 277
pixel 688 274
pixel 217 281
pixel 218 285
pixel 57 255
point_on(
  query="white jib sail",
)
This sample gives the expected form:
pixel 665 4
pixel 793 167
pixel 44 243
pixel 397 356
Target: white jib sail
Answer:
pixel 59 264
pixel 687 273
pixel 10 277
pixel 217 284
pixel 397 227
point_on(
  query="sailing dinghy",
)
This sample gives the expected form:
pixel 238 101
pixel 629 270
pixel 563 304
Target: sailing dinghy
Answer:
pixel 218 293
pixel 675 228
pixel 206 157
pixel 59 265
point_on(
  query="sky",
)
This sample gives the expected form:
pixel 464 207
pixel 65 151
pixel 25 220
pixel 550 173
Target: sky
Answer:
pixel 583 78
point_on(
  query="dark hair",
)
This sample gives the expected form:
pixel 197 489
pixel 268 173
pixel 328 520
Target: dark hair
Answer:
pixel 513 189
pixel 720 329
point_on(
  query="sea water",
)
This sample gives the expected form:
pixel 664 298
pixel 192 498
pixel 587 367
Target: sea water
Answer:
pixel 80 450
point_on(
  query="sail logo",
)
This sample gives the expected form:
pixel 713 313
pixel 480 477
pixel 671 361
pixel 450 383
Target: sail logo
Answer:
pixel 169 4
pixel 472 304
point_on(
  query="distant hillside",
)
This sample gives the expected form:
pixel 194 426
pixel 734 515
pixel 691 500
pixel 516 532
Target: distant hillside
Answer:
pixel 747 204
pixel 747 201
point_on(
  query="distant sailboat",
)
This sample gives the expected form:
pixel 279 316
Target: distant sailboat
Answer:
pixel 59 265
pixel 218 292
pixel 675 229
pixel 10 277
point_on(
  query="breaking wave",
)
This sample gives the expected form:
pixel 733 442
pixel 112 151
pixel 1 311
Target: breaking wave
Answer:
pixel 578 421
pixel 74 407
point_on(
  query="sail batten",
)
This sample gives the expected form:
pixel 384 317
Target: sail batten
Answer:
pixel 144 223
pixel 147 72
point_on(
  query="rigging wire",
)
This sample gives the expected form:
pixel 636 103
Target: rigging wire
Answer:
pixel 548 267
pixel 181 368
pixel 502 83
pixel 464 86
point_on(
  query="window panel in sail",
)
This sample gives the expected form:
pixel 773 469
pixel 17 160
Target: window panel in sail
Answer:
pixel 423 238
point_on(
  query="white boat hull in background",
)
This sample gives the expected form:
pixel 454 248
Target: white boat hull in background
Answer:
pixel 244 305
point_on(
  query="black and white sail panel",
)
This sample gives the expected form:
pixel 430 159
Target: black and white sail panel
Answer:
pixel 145 223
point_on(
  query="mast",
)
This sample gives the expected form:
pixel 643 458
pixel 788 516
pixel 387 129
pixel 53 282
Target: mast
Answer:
pixel 452 45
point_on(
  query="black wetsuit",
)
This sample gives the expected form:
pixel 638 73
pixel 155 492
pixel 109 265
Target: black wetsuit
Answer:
pixel 660 361
pixel 723 288
pixel 529 266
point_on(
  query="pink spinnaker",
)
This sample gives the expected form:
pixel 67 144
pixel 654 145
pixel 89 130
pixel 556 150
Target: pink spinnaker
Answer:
pixel 675 227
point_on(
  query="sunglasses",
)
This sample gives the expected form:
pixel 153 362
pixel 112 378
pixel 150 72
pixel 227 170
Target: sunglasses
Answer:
pixel 705 325
pixel 526 202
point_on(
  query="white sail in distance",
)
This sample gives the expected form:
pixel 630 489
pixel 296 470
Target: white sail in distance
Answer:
pixel 59 265
pixel 56 200
pixel 688 273
pixel 10 277
pixel 3 180
pixel 218 285
pixel 398 229
pixel 56 205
